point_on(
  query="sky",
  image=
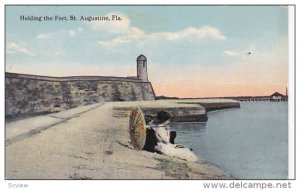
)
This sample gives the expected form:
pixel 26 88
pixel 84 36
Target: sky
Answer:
pixel 192 51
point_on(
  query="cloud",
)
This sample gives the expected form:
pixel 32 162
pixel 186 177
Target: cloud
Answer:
pixel 250 50
pixel 115 41
pixel 42 36
pixel 133 34
pixel 12 48
pixel 198 33
pixel 57 53
pixel 127 33
pixel 231 53
pixel 72 33
pixel 119 26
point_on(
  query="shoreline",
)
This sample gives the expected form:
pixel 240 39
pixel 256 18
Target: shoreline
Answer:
pixel 92 143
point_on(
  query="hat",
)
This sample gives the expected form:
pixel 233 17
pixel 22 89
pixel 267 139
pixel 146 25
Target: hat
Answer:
pixel 162 116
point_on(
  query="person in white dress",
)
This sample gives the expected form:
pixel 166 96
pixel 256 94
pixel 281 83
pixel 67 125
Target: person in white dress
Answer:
pixel 164 140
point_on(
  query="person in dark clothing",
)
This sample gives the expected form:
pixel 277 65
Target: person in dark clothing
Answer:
pixel 151 138
pixel 172 137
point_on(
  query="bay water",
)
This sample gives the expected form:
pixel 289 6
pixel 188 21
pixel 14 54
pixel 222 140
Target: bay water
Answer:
pixel 250 142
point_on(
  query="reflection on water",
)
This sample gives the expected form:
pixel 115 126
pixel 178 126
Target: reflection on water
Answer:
pixel 249 143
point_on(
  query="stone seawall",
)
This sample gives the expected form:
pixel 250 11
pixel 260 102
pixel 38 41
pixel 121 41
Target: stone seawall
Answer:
pixel 178 112
pixel 30 94
pixel 210 104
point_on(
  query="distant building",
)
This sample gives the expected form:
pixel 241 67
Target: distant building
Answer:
pixel 277 97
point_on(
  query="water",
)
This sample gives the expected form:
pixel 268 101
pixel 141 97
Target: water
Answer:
pixel 249 143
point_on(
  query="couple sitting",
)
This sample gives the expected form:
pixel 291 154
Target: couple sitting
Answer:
pixel 160 138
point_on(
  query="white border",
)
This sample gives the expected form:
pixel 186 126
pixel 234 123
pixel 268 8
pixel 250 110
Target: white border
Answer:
pixel 151 184
pixel 291 93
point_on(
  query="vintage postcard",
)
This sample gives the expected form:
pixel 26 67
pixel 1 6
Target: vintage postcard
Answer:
pixel 148 92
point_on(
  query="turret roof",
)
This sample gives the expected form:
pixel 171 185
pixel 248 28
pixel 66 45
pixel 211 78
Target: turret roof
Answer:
pixel 141 58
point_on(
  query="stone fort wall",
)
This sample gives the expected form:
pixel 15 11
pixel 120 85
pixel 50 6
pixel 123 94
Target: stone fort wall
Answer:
pixel 32 94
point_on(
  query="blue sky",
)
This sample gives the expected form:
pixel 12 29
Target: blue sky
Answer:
pixel 205 49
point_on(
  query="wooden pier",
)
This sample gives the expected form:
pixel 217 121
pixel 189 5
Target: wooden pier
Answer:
pixel 259 99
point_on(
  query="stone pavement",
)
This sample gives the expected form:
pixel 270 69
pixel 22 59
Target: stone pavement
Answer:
pixel 21 129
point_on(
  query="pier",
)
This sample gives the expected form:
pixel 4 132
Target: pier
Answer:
pixel 259 99
pixel 275 97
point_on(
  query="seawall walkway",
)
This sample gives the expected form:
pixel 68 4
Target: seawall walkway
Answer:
pixel 89 143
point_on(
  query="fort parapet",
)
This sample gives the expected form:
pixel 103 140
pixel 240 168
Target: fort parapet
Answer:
pixel 71 78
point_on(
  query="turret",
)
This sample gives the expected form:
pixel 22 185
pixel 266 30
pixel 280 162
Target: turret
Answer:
pixel 142 68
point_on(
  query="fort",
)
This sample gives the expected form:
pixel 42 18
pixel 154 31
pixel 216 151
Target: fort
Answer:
pixel 32 94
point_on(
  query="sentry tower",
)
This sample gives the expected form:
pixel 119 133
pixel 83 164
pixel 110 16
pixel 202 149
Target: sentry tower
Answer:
pixel 142 74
